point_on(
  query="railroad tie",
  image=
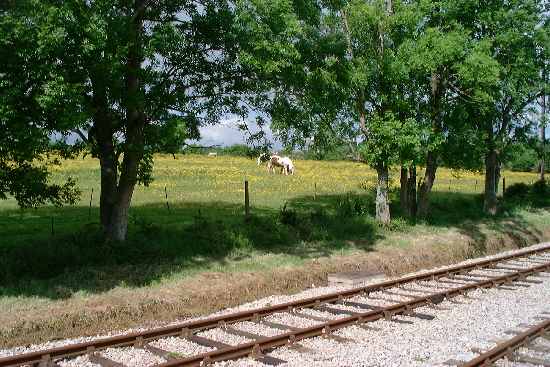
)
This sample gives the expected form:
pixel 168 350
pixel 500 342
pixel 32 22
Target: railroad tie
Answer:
pixel 307 316
pixel 103 361
pixel 271 361
pixel 277 325
pixel 335 311
pixel 205 342
pixel 301 348
pixel 362 305
pixel 167 355
pixel 538 348
pixel 452 362
pixel 47 362
pixel 523 358
pixel 244 334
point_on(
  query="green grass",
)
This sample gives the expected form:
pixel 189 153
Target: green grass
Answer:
pixel 204 228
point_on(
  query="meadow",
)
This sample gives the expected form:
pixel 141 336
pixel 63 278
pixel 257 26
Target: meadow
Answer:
pixel 190 222
pixel 187 187
pixel 191 217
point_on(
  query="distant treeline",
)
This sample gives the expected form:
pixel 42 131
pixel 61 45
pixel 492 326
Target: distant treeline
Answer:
pixel 242 150
pixel 522 156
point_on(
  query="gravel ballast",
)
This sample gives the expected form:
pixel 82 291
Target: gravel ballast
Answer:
pixel 459 325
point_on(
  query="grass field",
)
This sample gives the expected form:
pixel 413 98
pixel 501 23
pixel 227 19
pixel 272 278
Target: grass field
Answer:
pixel 201 224
pixel 329 208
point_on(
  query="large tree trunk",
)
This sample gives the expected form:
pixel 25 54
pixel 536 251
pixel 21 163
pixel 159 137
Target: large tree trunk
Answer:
pixel 490 202
pixel 438 86
pixel 542 138
pixel 382 200
pixel 427 185
pixel 412 204
pixel 116 192
pixel 404 190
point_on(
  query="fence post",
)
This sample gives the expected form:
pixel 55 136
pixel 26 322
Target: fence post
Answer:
pixel 166 197
pixel 475 189
pixel 90 208
pixel 246 201
pixel 503 185
pixel 315 191
pixel 449 184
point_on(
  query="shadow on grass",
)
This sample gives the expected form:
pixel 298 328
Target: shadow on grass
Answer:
pixel 190 237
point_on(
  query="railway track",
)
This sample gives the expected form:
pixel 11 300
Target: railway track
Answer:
pixel 509 349
pixel 325 314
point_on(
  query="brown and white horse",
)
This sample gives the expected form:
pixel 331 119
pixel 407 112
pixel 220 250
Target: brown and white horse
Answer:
pixel 274 160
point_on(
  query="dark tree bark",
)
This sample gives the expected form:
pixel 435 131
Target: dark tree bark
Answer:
pixel 382 201
pixel 542 133
pixel 117 184
pixel 438 88
pixel 427 185
pixel 492 173
pixel 412 204
pixel 404 190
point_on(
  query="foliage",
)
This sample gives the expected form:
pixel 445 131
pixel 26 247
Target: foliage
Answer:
pixel 390 141
pixel 523 157
pixel 540 189
pixel 130 78
pixel 288 216
pixel 517 191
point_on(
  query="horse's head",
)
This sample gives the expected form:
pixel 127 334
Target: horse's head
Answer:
pixel 264 157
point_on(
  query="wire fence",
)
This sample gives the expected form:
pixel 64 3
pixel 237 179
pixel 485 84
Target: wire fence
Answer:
pixel 164 204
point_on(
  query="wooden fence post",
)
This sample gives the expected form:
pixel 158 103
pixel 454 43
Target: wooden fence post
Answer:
pixel 315 191
pixel 166 197
pixel 503 185
pixel 90 208
pixel 246 201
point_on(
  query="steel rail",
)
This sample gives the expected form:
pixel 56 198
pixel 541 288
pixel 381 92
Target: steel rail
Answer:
pixel 183 329
pixel 256 347
pixel 505 349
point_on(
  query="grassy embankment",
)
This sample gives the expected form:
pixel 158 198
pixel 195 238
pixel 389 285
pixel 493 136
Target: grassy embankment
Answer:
pixel 329 208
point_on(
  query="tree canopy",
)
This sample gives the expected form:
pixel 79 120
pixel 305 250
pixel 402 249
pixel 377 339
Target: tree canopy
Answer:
pixel 401 83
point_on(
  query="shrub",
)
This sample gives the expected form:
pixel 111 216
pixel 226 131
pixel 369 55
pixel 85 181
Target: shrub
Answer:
pixel 540 189
pixel 518 190
pixel 348 206
pixel 288 216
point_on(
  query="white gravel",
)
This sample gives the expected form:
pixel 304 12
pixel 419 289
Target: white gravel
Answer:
pixel 457 328
pixel 132 357
pixel 255 328
pixel 221 336
pixel 180 346
pixel 80 361
pixel 451 335
pixel 292 320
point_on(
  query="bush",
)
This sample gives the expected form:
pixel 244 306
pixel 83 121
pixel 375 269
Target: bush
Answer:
pixel 348 206
pixel 540 188
pixel 518 190
pixel 288 216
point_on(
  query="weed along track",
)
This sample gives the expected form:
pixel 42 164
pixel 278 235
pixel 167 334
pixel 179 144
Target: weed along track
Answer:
pixel 257 333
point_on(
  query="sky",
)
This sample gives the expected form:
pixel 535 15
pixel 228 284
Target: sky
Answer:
pixel 227 133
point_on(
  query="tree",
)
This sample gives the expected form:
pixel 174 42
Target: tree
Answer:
pixel 127 76
pixel 26 128
pixel 506 35
pixel 346 78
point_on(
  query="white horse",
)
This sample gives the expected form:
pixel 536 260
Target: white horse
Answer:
pixel 288 166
